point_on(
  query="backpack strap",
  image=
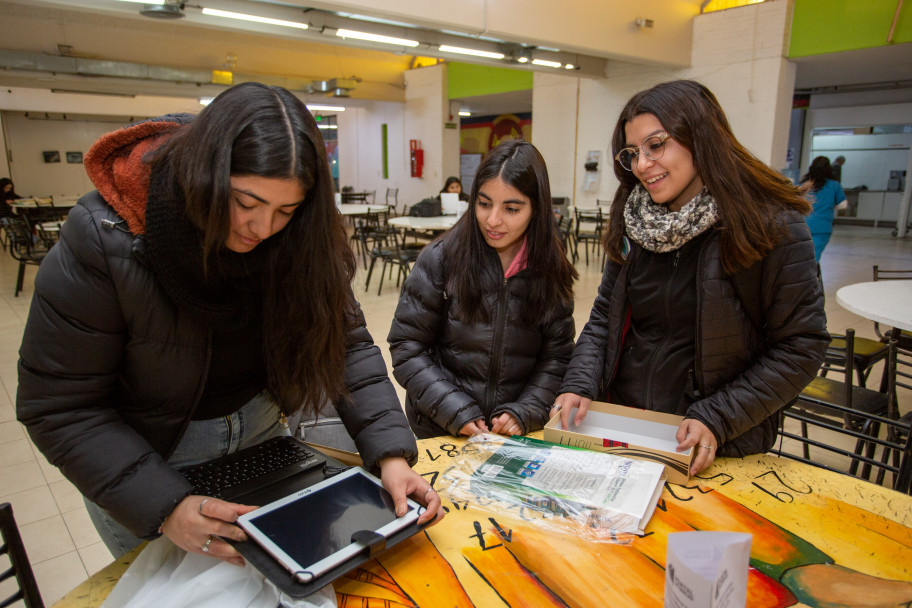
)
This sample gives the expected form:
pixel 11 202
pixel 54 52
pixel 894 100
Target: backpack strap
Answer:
pixel 747 285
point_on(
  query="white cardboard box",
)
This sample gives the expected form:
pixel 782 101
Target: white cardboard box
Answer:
pixel 627 431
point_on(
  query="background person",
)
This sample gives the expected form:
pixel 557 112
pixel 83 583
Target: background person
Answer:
pixel 826 196
pixel 668 331
pixel 7 196
pixel 454 184
pixel 838 162
pixel 199 292
pixel 484 326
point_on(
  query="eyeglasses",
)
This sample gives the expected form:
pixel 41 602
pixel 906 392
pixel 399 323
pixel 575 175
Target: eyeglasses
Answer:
pixel 653 147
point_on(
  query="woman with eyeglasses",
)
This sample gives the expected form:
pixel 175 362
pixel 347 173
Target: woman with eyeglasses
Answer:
pixel 709 306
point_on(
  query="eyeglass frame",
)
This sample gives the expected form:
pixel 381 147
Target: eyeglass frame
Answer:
pixel 663 137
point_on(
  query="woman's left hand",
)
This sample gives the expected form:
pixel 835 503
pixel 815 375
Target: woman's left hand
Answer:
pixel 693 433
pixel 505 424
pixel 400 481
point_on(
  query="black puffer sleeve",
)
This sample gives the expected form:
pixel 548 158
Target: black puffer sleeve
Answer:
pixel 417 325
pixel 373 415
pixel 795 337
pixel 70 358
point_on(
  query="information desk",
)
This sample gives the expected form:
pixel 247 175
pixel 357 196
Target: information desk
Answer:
pixel 819 539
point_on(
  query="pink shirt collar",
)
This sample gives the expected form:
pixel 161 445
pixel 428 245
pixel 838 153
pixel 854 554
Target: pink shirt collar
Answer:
pixel 518 263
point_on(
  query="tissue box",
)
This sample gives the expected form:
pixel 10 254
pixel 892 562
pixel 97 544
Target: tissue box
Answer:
pixel 630 432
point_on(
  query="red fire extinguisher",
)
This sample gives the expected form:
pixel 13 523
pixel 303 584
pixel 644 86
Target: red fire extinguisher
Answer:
pixel 416 157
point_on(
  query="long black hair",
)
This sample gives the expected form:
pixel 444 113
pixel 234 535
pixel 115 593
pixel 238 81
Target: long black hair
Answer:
pixel 520 165
pixel 750 196
pixel 818 173
pixel 256 130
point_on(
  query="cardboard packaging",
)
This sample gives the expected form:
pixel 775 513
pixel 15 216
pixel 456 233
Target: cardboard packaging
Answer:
pixel 629 432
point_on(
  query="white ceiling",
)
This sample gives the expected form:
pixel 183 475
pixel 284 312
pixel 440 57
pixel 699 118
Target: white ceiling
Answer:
pixel 93 30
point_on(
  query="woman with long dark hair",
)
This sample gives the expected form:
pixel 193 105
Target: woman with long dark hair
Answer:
pixel 7 195
pixel 199 293
pixel 697 224
pixel 484 326
pixel 826 196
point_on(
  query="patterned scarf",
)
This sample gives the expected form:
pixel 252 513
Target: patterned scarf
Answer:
pixel 659 230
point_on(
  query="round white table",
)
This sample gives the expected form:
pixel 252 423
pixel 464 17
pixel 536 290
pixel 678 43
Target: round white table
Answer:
pixel 887 302
pixel 360 209
pixel 435 222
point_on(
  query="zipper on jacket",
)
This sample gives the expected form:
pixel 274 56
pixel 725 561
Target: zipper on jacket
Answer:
pixel 112 225
pixel 498 346
pixel 698 322
pixel 650 380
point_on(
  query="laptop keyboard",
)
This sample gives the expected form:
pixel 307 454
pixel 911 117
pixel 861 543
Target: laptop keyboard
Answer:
pixel 251 469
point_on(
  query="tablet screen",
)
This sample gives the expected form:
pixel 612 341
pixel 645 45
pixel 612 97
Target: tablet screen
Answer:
pixel 313 528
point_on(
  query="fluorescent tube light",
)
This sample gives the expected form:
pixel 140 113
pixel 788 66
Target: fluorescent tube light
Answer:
pixel 325 108
pixel 461 51
pixel 375 38
pixel 550 64
pixel 569 66
pixel 214 12
pixel 155 2
pixel 328 126
pixel 523 59
pixel 465 113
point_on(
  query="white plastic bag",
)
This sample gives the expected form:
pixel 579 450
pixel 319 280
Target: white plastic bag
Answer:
pixel 165 575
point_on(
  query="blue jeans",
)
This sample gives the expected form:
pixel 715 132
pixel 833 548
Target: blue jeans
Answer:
pixel 255 422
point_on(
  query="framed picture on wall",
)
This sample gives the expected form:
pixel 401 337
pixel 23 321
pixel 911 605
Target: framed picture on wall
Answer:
pixel 52 156
pixel 74 157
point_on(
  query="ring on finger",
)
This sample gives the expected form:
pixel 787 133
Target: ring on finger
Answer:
pixel 205 547
pixel 556 406
pixel 428 491
pixel 707 447
pixel 205 500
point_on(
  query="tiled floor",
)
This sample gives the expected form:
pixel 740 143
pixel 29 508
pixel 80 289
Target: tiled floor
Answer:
pixel 61 542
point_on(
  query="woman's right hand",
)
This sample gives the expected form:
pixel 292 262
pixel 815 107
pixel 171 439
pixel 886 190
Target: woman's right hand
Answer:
pixel 566 402
pixel 474 427
pixel 197 522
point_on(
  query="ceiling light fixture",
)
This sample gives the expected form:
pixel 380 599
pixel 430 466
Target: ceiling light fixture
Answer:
pixel 549 64
pixel 461 51
pixel 570 66
pixel 523 59
pixel 375 38
pixel 325 108
pixel 214 12
pixel 155 2
pixel 328 126
pixel 465 113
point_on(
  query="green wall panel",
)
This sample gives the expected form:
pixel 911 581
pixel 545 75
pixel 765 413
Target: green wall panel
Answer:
pixel 468 80
pixel 831 26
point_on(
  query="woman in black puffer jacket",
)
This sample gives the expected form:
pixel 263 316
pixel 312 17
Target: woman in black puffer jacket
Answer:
pixel 695 221
pixel 484 326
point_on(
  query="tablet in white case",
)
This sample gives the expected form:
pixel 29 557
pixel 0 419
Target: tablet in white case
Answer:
pixel 309 532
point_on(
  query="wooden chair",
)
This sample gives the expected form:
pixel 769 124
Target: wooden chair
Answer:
pixel 21 246
pixel 20 568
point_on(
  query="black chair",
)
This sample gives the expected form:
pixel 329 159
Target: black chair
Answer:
pixel 587 230
pixel 370 229
pixel 839 404
pixel 866 354
pixel 20 569
pixel 21 246
pixel 565 230
pixel 396 253
pixel 840 426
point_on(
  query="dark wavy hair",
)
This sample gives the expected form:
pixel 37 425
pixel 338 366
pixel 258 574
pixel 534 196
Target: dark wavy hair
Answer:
pixel 818 173
pixel 520 165
pixel 259 130
pixel 749 194
pixel 451 180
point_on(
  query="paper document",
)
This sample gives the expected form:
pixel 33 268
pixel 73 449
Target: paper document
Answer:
pixel 707 569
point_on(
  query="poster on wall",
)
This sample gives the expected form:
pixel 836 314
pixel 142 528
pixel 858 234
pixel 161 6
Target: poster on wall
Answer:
pixel 479 134
pixel 74 157
pixel 51 156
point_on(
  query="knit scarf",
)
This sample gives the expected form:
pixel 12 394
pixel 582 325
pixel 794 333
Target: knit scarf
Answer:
pixel 659 230
pixel 229 294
